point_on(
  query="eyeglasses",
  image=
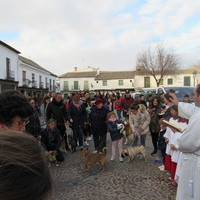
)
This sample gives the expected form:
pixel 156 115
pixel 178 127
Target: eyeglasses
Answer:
pixel 21 123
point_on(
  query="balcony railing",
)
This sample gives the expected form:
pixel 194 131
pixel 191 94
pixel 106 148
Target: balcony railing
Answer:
pixel 65 89
pixel 41 85
pixel 47 85
pixel 34 84
pixel 75 88
pixel 10 75
pixel 54 87
pixel 26 82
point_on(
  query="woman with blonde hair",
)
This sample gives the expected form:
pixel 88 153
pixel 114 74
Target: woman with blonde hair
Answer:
pixel 139 120
pixel 144 123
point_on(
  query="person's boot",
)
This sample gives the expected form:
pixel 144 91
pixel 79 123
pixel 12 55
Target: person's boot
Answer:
pixel 154 152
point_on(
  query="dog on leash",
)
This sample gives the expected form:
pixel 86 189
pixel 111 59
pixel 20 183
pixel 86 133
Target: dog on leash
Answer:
pixel 68 144
pixel 71 143
pixel 90 159
pixel 52 159
pixel 131 152
pixel 128 133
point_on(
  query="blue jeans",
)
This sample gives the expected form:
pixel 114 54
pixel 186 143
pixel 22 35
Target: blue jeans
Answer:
pixel 78 135
pixel 119 114
pixel 143 139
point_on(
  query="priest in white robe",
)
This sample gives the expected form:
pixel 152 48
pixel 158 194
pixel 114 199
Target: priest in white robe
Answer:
pixel 189 145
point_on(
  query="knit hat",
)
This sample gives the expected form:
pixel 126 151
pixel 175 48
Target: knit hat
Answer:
pixel 98 101
pixel 52 121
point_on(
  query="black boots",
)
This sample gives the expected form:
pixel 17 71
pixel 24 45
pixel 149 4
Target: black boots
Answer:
pixel 154 152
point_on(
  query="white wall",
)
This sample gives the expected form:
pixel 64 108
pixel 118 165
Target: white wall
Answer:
pixel 97 84
pixel 178 80
pixel 13 56
pixel 80 83
pixel 32 70
pixel 114 84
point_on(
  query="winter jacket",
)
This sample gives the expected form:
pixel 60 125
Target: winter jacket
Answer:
pixel 134 121
pixel 33 127
pixel 51 139
pixel 115 133
pixel 154 123
pixel 127 102
pixel 56 110
pixel 97 119
pixel 144 123
pixel 79 116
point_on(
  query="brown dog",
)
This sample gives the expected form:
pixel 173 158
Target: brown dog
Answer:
pixel 128 133
pixel 131 152
pixel 90 159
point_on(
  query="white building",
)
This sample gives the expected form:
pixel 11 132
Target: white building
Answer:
pixel 93 79
pixel 181 77
pixel 34 79
pixel 9 67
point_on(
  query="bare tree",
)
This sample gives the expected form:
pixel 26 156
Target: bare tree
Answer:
pixel 158 62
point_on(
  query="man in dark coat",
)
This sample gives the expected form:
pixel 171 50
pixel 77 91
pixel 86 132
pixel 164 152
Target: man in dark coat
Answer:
pixel 56 110
pixel 98 125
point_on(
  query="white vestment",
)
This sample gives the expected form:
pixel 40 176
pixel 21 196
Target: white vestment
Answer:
pixel 189 145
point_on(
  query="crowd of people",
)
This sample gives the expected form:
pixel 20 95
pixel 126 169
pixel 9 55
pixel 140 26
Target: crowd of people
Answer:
pixel 95 117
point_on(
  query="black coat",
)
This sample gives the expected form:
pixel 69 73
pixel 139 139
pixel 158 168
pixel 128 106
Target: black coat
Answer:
pixel 79 116
pixel 114 132
pixel 33 127
pixel 155 117
pixel 97 119
pixel 51 139
pixel 56 110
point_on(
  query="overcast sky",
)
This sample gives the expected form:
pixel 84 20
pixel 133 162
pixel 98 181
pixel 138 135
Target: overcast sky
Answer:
pixel 108 34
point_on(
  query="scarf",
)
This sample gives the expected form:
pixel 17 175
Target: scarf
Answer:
pixel 77 105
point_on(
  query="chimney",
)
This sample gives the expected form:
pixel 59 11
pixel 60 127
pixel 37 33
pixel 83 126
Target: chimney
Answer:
pixel 75 69
pixel 98 71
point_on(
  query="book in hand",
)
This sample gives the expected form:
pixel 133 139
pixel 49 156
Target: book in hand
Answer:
pixel 176 126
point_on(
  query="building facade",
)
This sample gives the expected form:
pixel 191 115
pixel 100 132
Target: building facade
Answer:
pixel 35 80
pixel 96 80
pixel 23 74
pixel 8 67
pixel 181 77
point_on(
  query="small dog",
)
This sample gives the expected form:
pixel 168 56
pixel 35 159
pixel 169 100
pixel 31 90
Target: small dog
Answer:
pixel 131 152
pixel 71 143
pixel 52 159
pixel 128 133
pixel 63 147
pixel 90 159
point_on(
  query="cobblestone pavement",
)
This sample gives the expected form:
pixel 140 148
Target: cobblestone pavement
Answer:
pixel 136 180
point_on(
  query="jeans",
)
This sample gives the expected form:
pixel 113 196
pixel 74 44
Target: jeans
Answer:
pixel 99 142
pixel 119 114
pixel 78 135
pixel 143 139
pixel 135 141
